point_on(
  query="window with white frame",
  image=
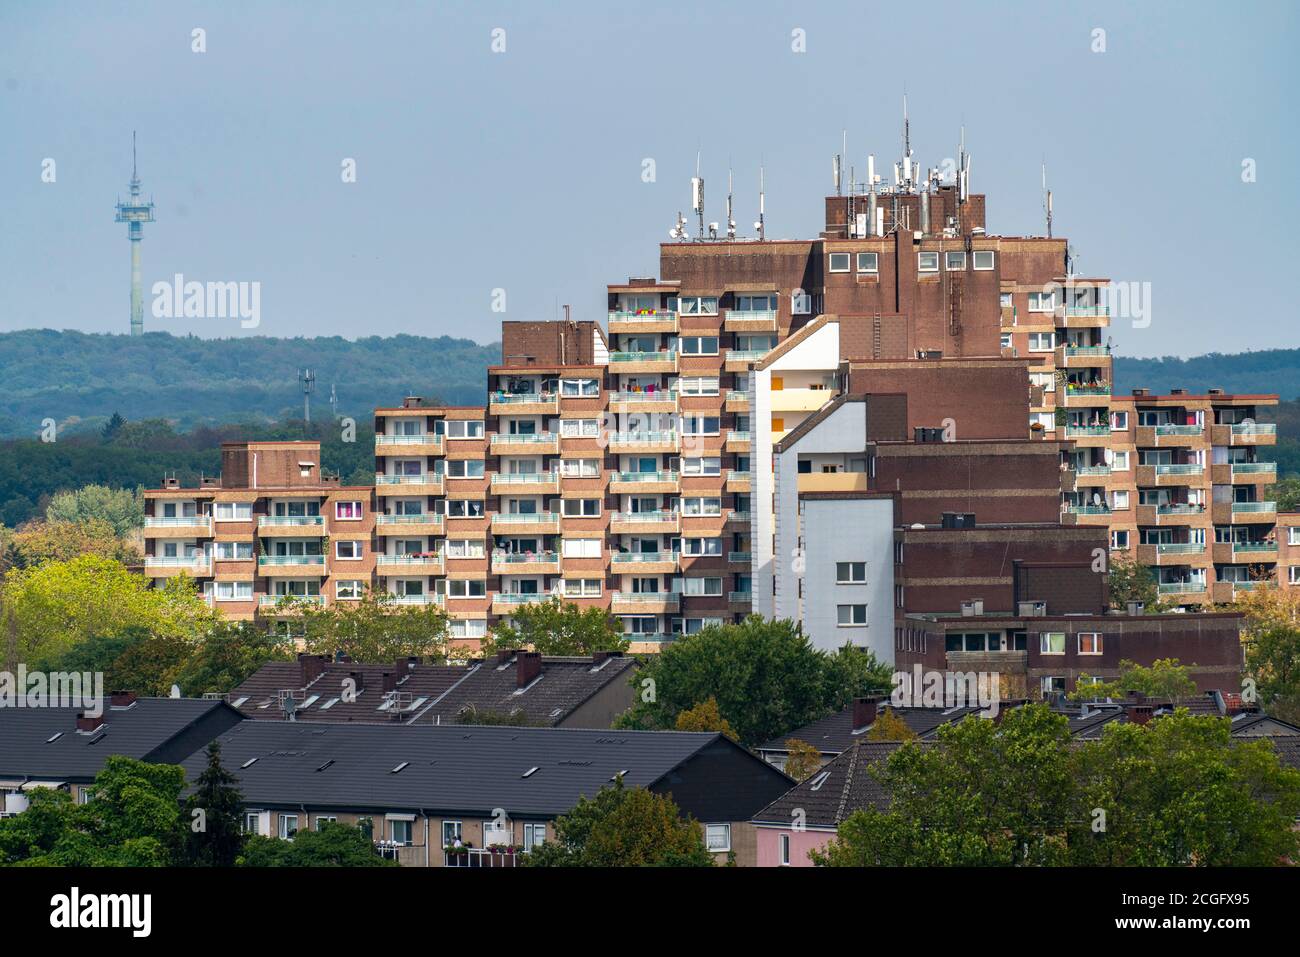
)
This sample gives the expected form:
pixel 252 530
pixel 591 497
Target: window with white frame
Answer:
pixel 697 305
pixel 464 428
pixel 1051 643
pixel 838 262
pixel 466 588
pixel 1042 341
pixel 399 832
pixel 927 262
pixel 697 586
pixel 232 511
pixel 1042 301
pixel 1119 422
pixel 347 549
pixel 467 627
pixel 698 385
pixel 579 428
pixel 1294 574
pixel 1119 499
pixel 982 259
pixel 849 616
pixel 465 508
pixel 1119 462
pixel 761 303
pixel 717 838
pixel 693 424
pixel 1052 684
pixel 581 547
pixel 1005 342
pixel 850 573
pixel 288 826
pixel 701 546
pixel 702 465
pixel 580 507
pixel 704 505
pixel 534 836
pixel 580 387
pixel 323 819
pixel 252 822
pixel 231 591
pixel 582 587
pixel 349 589
pixel 785 850
pixel 954 261
pixel 1293 535
pixel 869 263
pixel 465 548
pixel 699 345
pixel 348 511
pixel 465 468
pixel 1089 642
pixel 232 551
pixel 1119 538
pixel 580 468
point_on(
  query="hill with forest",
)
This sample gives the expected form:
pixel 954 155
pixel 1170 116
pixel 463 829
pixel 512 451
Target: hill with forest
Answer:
pixel 1271 371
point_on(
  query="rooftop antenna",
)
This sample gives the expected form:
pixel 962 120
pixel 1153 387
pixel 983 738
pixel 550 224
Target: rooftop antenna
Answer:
pixel 1047 202
pixel 307 382
pixel 697 194
pixel 759 225
pixel 907 148
pixel 334 402
pixel 963 169
pixel 731 219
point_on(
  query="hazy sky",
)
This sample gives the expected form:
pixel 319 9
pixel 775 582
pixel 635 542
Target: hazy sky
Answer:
pixel 522 170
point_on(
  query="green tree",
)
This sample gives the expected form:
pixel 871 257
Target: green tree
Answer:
pixel 375 628
pixel 213 812
pixel 623 827
pixel 1164 679
pixel 121 508
pixel 802 759
pixel 987 793
pixel 38 542
pixel 705 717
pixel 1286 493
pixel 333 845
pixel 1128 580
pixel 557 627
pixel 112 427
pixel 1271 636
pixel 226 655
pixel 888 726
pixel 518 718
pixel 765 675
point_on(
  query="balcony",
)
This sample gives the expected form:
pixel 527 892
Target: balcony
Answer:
pixel 661 400
pixel 800 400
pixel 738 360
pixel 1188 589
pixel 665 360
pixel 737 401
pixel 740 558
pixel 644 523
pixel 1255 471
pixel 1186 469
pixel 1179 549
pixel 738 441
pixel 644 482
pixel 419 601
pixel 1254 509
pixel 738 519
pixel 506 603
pixel 423 563
pixel 288 604
pixel 288 566
pixel 1085 509
pixel 526 523
pixel 164 566
pixel 480 857
pixel 183 526
pixel 541 443
pixel 1244 433
pixel 424 444
pixel 655 320
pixel 523 403
pixel 1074 356
pixel 294 525
pixel 750 320
pixel 1087 431
pixel 644 441
pixel 644 563
pixel 739 481
pixel 742 599
pixel 425 524
pixel 645 603
pixel 525 563
pixel 430 483
pixel 1084 317
pixel 526 483
pixel 1254 551
pixel 1087 395
pixel 1092 471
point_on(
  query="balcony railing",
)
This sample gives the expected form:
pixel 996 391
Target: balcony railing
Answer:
pixel 644 477
pixel 1254 506
pixel 524 478
pixel 269 560
pixel 738 597
pixel 1254 547
pixel 525 558
pixel 1085 470
pixel 429 478
pixel 1191 469
pixel 525 518
pixel 1255 428
pixel 1179 508
pixel 275 521
pixel 643 558
pixel 424 438
pixel 665 355
pixel 642 438
pixel 1251 468
pixel 532 438
pixel 1179 429
pixel 1086 509
pixel 645 517
pixel 480 857
pixel 1097 310
pixel 1180 548
pixel 651 598
pixel 746 355
pixel 192 562
pixel 270 601
pixel 521 398
pixel 183 521
pixel 736 436
pixel 659 395
pixel 427 518
pixel 1072 431
pixel 393 599
pixel 433 558
pixel 1182 588
pixel 742 557
pixel 655 315
pixel 1087 390
pixel 1086 351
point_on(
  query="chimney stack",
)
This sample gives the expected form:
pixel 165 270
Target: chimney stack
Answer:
pixel 87 725
pixel 311 667
pixel 528 665
pixel 505 654
pixel 864 711
pixel 121 699
pixel 358 680
pixel 1139 713
pixel 388 680
pixel 597 657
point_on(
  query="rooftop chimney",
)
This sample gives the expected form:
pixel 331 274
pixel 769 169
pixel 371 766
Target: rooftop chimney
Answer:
pixel 864 711
pixel 413 402
pixel 311 667
pixel 505 654
pixel 1140 392
pixel 358 680
pixel 413 661
pixel 388 680
pixel 528 665
pixel 121 699
pixel 598 657
pixel 87 725
pixel 1139 713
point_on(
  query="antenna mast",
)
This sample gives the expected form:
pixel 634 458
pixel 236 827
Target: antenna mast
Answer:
pixel 1047 202
pixel 697 194
pixel 731 219
pixel 759 225
pixel 307 382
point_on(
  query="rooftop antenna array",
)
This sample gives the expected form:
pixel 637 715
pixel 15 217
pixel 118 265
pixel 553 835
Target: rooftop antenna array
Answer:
pixel 307 382
pixel 759 225
pixel 1047 202
pixel 697 195
pixel 731 219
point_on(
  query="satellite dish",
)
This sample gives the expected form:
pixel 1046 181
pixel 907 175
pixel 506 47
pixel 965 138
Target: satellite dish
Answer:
pixel 176 691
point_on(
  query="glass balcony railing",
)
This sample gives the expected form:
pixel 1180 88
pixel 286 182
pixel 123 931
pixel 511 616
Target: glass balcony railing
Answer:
pixel 525 518
pixel 1081 430
pixel 742 557
pixel 646 518
pixel 269 601
pixel 1255 428
pixel 1086 351
pixel 1252 468
pixel 644 477
pixel 656 395
pixel 1179 429
pixel 1093 470
pixel 274 521
pixel 642 438
pixel 1087 310
pixel 1254 506
pixel 1179 508
pixel 1247 547
pixel 746 355
pixel 665 355
pixel 534 438
pixel 521 398
pixel 1187 469
pixel 277 560
pixel 642 315
pixel 739 597
pixel 1180 548
pixel 428 518
pixel 524 478
pixel 429 478
pixel 177 561
pixel 421 439
pixel 737 436
pixel 1073 389
pixel 1086 509
pixel 181 521
pixel 1182 588
pixel 525 558
pixel 433 558
pixel 642 558
pixel 751 315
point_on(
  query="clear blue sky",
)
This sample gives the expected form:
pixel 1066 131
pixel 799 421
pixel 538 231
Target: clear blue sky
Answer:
pixel 522 170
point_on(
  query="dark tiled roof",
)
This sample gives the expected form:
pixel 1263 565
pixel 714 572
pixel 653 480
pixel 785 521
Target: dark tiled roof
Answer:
pixel 415 684
pixel 446 768
pixel 836 791
pixel 835 733
pixel 149 729
pixel 563 685
pixel 1288 750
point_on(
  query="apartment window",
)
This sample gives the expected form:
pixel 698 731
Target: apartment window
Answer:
pixel 954 262
pixel 1006 341
pixel 717 838
pixel 1119 538
pixel 465 429
pixel 467 628
pixel 1051 643
pixel 579 428
pixel 288 826
pixel 700 424
pixel 252 822
pixel 698 385
pixel 534 835
pixel 763 303
pixel 466 588
pixel 1119 422
pixel 348 511
pixel 232 551
pixel 698 586
pixel 1044 380
pixel 451 831
pixel 1052 685
pixel 580 468
pixel 349 589
pixel 582 587
pixel 850 573
pixel 701 506
pixel 1294 574
pixel 323 819
pixel 701 546
pixel 838 262
pixel 580 547
pixel 232 591
pixel 580 507
pixel 464 508
pixel 1119 462
pixel 400 832
pixel 1006 300
pixel 1119 499
pixel 851 615
pixel 696 305
pixel 232 511
pixel 349 549
pixel 1089 642
pixel 982 259
pixel 1042 301
pixel 869 263
pixel 465 468
pixel 705 465
pixel 465 548
pixel 1293 535
pixel 927 262
pixel 1042 341
pixel 699 345
pixel 580 387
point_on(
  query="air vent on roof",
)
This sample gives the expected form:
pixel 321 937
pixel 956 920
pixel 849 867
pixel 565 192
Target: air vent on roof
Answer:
pixel 398 769
pixel 325 765
pixel 820 780
pixel 249 763
pixel 54 737
pixel 529 773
